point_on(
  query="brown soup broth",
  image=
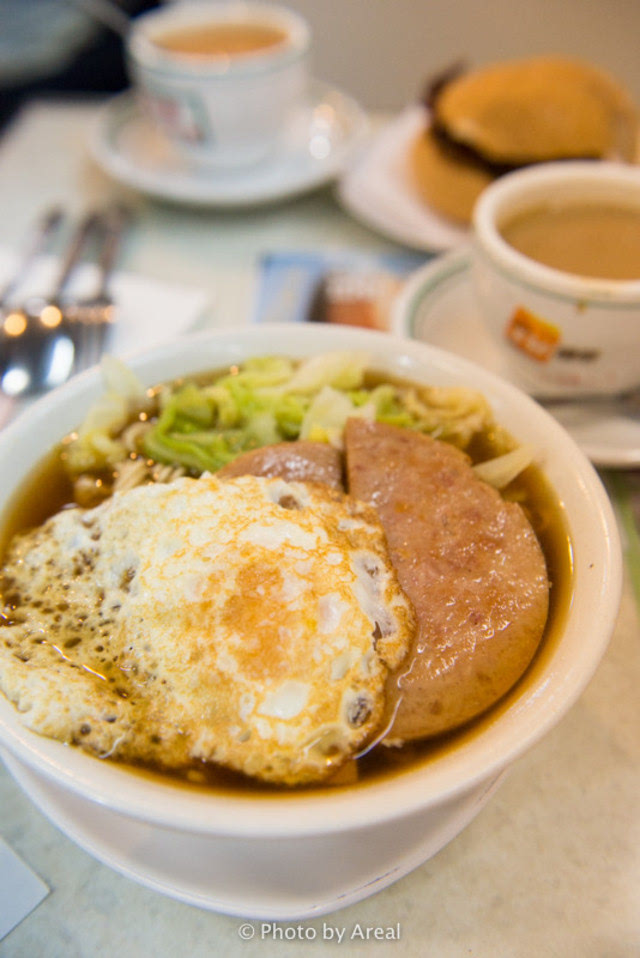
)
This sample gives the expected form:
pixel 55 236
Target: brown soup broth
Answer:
pixel 595 240
pixel 48 489
pixel 221 39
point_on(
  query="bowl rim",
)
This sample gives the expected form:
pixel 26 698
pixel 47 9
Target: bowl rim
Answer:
pixel 598 585
pixel 148 56
pixel 519 190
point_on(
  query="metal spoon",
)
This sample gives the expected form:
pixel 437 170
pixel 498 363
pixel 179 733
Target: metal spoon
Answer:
pixel 37 351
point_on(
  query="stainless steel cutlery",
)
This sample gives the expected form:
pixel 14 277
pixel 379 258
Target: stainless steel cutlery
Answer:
pixel 46 338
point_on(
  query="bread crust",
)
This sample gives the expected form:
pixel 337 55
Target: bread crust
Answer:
pixel 539 109
pixel 483 123
pixel 445 180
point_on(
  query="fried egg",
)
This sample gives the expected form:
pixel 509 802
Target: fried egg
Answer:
pixel 249 622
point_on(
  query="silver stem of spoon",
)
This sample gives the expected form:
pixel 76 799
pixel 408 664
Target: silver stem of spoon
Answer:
pixel 42 233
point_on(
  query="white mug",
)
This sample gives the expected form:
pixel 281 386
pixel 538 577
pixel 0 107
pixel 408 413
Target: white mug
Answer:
pixel 562 334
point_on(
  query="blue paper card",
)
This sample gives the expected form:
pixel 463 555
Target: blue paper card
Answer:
pixel 346 287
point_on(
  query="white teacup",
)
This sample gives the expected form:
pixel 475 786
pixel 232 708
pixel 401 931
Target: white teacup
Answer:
pixel 220 79
pixel 565 333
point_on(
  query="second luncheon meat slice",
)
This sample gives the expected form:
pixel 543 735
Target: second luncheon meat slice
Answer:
pixel 468 561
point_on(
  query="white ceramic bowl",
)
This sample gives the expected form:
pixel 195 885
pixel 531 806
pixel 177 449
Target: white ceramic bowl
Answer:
pixel 562 334
pixel 220 111
pixel 289 856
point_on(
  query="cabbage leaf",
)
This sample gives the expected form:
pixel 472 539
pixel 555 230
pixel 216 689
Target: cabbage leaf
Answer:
pixel 266 400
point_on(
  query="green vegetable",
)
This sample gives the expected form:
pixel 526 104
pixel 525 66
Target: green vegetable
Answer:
pixel 267 400
pixel 95 445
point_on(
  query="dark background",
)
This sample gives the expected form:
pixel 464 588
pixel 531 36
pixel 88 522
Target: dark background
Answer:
pixel 98 67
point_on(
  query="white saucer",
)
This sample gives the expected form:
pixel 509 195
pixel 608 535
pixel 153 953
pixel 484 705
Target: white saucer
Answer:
pixel 377 190
pixel 437 305
pixel 200 869
pixel 314 150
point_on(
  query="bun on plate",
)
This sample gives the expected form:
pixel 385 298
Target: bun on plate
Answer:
pixel 486 122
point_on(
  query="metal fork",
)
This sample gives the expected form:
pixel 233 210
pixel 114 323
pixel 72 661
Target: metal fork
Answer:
pixel 54 337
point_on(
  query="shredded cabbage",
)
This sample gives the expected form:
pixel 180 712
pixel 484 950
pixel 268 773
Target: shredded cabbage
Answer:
pixel 343 370
pixel 267 400
pixel 94 445
pixel 327 414
pixel 501 470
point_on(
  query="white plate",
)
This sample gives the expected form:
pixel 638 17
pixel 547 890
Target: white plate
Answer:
pixel 314 150
pixel 438 306
pixel 377 190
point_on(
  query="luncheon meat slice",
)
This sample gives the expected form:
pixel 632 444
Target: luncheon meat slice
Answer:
pixel 468 561
pixel 302 461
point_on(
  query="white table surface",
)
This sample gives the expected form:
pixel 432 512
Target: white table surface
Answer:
pixel 551 867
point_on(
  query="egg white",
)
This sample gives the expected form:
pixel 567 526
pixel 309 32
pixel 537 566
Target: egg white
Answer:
pixel 249 622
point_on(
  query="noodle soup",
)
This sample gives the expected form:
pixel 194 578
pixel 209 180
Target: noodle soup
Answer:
pixel 71 480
